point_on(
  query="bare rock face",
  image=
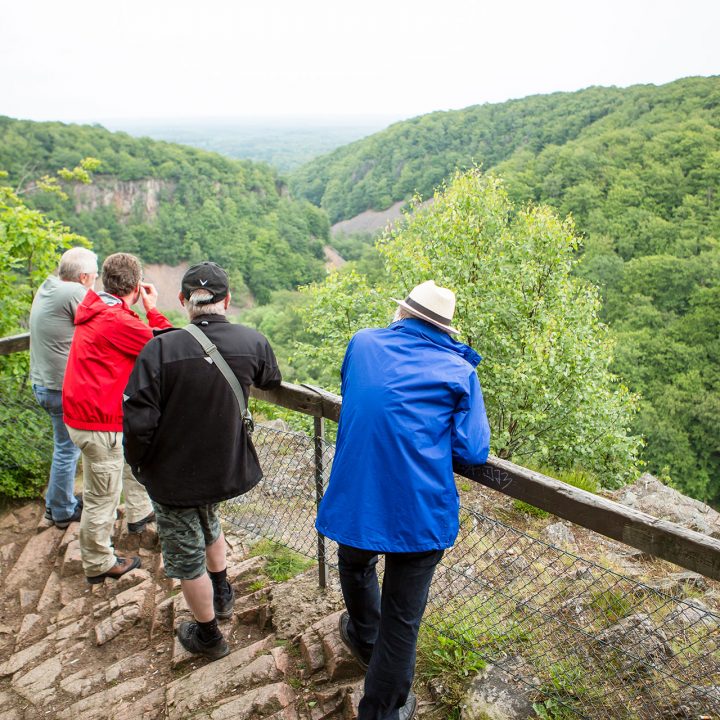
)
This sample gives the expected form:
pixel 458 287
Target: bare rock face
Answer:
pixel 493 695
pixel 125 196
pixel 636 643
pixel 559 534
pixel 650 496
pixel 693 612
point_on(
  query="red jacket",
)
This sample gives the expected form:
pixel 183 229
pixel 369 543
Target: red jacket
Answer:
pixel 108 337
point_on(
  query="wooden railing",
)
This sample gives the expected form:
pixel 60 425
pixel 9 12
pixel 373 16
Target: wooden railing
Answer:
pixel 660 538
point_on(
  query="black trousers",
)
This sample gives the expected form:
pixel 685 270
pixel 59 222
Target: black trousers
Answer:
pixel 386 624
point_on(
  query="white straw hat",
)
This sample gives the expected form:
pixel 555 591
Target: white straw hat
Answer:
pixel 431 303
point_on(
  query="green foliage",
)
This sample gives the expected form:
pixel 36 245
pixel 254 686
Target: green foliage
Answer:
pixel 168 203
pixel 285 145
pixel 30 244
pixel 417 155
pixel 611 605
pixel 574 476
pixel 565 685
pixel 445 654
pixel 282 563
pixel 546 379
pixel 25 441
pixel 528 509
pixel 639 170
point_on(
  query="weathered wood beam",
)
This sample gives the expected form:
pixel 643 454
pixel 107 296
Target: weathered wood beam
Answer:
pixel 306 399
pixel 14 343
pixel 661 538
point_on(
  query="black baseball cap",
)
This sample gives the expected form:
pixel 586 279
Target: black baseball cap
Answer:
pixel 206 276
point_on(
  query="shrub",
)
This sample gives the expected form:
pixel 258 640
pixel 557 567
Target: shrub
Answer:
pixel 25 442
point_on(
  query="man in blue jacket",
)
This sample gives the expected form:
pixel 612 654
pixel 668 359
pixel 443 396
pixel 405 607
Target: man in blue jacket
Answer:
pixel 412 404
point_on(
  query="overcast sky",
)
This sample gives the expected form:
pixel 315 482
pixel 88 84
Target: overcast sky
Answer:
pixel 94 60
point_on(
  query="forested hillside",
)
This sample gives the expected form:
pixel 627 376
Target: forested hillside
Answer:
pixel 639 170
pixel 169 203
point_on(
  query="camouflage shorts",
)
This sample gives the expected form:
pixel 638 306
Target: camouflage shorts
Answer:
pixel 184 534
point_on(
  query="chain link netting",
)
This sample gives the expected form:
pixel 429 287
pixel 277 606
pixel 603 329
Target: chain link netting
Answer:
pixel 584 641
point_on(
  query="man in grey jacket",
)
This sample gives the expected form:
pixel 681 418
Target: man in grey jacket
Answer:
pixel 51 331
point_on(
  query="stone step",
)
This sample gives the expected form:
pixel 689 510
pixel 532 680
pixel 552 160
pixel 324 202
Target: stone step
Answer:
pixel 8 553
pixel 110 703
pixel 268 701
pixel 321 647
pixel 22 658
pixel 332 700
pixel 243 668
pixel 36 560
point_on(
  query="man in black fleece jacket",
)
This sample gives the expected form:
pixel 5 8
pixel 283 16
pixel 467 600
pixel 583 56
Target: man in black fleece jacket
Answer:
pixel 187 444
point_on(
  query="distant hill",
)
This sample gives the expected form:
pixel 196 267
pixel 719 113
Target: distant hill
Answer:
pixel 416 155
pixel 283 143
pixel 170 203
pixel 639 170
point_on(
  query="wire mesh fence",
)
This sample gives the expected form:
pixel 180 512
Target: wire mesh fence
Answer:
pixel 582 640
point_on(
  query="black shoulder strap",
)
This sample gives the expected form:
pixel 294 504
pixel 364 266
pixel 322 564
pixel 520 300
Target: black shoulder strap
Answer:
pixel 212 352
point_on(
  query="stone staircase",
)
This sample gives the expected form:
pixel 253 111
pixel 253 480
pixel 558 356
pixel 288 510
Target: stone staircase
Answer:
pixel 74 651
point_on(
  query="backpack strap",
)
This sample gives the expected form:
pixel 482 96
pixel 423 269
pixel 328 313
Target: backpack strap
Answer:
pixel 214 354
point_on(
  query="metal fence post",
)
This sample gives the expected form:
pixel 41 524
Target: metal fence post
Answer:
pixel 319 491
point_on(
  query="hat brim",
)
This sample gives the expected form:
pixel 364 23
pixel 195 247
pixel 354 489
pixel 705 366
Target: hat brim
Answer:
pixel 417 314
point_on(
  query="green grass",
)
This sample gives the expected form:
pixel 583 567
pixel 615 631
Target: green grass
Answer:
pixel 611 605
pixel 576 477
pixel 282 563
pixel 450 661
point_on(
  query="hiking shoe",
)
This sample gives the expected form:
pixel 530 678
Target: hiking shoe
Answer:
pixel 224 602
pixel 407 711
pixel 75 517
pixel 137 527
pixel 362 658
pixel 48 511
pixel 121 566
pixel 187 634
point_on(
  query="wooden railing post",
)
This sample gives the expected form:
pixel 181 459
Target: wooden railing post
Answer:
pixel 319 492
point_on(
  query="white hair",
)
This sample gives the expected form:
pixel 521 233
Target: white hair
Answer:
pixel 403 314
pixel 76 261
pixel 199 304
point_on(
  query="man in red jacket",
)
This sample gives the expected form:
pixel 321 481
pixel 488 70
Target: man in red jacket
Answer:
pixel 108 337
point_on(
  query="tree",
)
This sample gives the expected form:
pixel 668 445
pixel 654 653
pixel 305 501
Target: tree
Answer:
pixel 550 395
pixel 29 249
pixel 30 244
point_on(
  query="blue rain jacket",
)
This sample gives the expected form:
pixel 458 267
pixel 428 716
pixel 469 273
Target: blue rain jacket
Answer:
pixel 412 404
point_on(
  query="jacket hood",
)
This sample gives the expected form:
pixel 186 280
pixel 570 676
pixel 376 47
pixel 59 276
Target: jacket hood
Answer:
pixel 420 328
pixel 93 304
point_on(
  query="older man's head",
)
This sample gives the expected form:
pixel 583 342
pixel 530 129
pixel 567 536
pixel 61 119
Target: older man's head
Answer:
pixel 205 290
pixel 78 265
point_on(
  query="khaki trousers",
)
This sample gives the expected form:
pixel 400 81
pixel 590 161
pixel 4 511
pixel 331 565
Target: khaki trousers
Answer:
pixel 104 476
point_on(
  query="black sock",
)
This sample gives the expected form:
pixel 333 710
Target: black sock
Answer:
pixel 219 580
pixel 209 632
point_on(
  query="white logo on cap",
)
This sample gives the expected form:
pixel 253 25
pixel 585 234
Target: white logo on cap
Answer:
pixel 203 282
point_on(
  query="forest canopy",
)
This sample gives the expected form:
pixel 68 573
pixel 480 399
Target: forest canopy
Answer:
pixel 169 203
pixel 638 169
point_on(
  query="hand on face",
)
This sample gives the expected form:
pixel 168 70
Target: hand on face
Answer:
pixel 148 295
